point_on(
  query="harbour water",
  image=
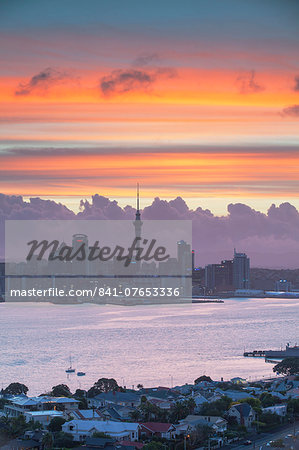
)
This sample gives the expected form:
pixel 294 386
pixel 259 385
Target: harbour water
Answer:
pixel 153 345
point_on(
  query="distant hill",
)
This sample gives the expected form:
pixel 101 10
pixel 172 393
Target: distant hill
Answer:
pixel 265 278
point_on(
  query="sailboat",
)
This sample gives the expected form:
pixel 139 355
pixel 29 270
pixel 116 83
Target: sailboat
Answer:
pixel 70 369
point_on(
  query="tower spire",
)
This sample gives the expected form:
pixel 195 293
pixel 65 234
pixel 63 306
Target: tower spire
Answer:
pixel 138 205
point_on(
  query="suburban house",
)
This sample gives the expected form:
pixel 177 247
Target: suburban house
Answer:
pixel 243 413
pixel 117 412
pixel 186 389
pixel 43 417
pixel 204 386
pixel 162 404
pixel 161 396
pixel 280 410
pixel 159 429
pixel 234 395
pixel 238 380
pixel 199 401
pixel 87 414
pixel 21 403
pixel 81 429
pixel 218 424
pixel 113 397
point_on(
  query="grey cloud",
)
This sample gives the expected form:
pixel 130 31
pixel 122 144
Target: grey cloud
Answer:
pixel 143 75
pixel 146 59
pixel 120 81
pixel 292 111
pixel 296 86
pixel 247 83
pixel 41 81
pixel 163 148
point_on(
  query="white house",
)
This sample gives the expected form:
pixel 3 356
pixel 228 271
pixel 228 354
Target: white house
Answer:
pixel 80 429
pixel 44 417
pixel 218 424
pixel 20 404
pixel 280 410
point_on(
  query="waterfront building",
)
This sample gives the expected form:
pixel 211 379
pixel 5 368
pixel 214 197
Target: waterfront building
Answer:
pixel 241 271
pixel 219 277
pixel 21 404
pixel 283 286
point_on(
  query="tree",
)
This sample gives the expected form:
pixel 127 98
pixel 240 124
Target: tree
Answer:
pixel 268 399
pixel 149 412
pixel 203 378
pixel 217 408
pixel 61 390
pixel 64 440
pixel 269 420
pixel 139 386
pixel 2 403
pixel 48 441
pixel 16 389
pixel 101 434
pixel 154 446
pixel 17 426
pixel 255 403
pixel 80 393
pixel 288 366
pixel 201 434
pixel 293 406
pixel 56 424
pixel 103 385
pixel 182 409
pixel 135 415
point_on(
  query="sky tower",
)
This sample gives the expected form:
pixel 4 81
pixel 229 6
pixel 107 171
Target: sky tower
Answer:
pixel 137 221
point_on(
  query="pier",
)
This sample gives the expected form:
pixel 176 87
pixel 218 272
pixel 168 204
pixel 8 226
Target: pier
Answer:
pixel 255 354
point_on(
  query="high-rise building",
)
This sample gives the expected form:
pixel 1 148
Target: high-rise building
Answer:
pixel 241 271
pixel 80 267
pixel 184 257
pixel 219 277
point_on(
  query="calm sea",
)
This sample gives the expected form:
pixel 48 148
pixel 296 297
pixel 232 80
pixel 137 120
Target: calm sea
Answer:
pixel 152 345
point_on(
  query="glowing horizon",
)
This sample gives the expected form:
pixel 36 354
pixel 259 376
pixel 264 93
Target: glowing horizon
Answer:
pixel 94 99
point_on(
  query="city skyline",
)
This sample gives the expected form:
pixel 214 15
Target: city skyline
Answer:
pixel 270 239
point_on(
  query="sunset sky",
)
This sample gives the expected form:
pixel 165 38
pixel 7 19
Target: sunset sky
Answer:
pixel 196 98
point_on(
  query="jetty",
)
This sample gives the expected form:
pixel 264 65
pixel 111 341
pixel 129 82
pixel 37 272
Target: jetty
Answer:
pixel 255 354
pixel 289 352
